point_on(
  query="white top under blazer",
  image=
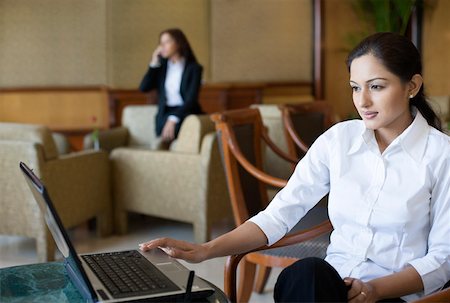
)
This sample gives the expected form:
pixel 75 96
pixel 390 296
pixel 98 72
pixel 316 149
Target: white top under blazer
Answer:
pixel 388 210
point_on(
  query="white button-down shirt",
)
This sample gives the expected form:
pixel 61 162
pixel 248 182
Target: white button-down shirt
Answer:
pixel 388 210
pixel 172 85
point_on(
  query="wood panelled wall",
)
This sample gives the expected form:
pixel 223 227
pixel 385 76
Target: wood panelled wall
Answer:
pixel 436 47
pixel 75 111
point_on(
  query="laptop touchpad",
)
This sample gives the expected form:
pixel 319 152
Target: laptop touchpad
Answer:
pixel 169 267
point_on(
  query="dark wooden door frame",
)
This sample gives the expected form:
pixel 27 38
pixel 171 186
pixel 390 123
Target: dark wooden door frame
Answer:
pixel 318 68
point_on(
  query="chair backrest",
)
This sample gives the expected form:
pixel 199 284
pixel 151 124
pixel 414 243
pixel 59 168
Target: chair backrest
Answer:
pixel 240 133
pixel 274 164
pixel 304 123
pixel 140 122
pixel 32 133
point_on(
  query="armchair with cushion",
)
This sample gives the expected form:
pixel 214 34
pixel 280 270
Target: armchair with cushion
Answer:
pixel 186 183
pixel 77 182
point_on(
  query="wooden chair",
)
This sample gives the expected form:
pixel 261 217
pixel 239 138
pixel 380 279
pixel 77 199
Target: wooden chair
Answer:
pixel 304 123
pixel 441 296
pixel 240 134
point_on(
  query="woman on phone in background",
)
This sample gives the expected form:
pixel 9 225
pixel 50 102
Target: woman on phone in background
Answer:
pixel 175 73
pixel 388 181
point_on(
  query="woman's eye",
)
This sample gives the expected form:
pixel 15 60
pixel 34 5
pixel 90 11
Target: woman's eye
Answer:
pixel 355 88
pixel 375 87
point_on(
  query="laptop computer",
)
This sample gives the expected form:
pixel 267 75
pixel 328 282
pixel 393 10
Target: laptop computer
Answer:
pixel 120 276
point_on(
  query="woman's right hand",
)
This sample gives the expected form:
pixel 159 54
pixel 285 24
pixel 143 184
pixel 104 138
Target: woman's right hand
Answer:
pixel 155 56
pixel 190 252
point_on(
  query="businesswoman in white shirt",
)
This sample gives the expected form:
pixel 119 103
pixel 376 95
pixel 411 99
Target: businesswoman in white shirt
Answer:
pixel 388 181
pixel 175 73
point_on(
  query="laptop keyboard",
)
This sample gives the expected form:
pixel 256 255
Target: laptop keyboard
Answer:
pixel 128 273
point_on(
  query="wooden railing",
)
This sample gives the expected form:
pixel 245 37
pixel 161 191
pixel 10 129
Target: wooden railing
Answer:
pixel 76 111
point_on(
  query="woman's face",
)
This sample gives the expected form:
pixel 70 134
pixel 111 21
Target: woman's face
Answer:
pixel 168 45
pixel 381 98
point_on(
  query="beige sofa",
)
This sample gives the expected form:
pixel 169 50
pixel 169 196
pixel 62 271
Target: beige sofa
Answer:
pixel 186 183
pixel 78 184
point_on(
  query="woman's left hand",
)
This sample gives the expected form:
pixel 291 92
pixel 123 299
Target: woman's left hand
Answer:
pixel 360 291
pixel 168 132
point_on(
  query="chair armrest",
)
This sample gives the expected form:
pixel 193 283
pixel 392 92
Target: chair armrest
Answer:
pixel 253 170
pixel 233 261
pixel 79 184
pixel 440 296
pixel 277 150
pixel 108 139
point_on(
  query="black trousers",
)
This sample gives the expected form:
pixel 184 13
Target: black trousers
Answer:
pixel 312 280
pixel 161 120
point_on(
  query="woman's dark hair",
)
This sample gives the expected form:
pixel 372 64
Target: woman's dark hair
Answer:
pixel 184 48
pixel 399 55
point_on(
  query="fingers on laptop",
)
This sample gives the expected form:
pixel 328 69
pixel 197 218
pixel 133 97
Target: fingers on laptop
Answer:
pixel 175 248
pixel 166 243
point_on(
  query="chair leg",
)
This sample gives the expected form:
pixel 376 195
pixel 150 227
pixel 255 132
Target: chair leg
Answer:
pixel 201 233
pixel 45 247
pixel 104 223
pixel 121 222
pixel 246 280
pixel 261 280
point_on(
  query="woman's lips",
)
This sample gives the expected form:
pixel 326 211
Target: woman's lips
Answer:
pixel 370 115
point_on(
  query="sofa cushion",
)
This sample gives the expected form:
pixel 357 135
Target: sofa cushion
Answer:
pixel 140 121
pixel 30 132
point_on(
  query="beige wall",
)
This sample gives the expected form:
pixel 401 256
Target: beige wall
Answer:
pixel 134 27
pixel 436 48
pixel 109 42
pixel 52 42
pixel 91 42
pixel 261 40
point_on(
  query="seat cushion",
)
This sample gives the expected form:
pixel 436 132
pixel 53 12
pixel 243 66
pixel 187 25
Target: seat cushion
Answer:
pixel 313 248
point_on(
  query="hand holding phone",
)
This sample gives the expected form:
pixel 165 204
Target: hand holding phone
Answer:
pixel 156 56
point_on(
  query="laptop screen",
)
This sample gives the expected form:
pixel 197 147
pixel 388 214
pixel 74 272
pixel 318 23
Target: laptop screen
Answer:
pixel 73 264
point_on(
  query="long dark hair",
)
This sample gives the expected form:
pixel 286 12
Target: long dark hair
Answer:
pixel 399 55
pixel 184 48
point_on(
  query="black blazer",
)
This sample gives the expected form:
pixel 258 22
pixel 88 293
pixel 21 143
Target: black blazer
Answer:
pixel 189 90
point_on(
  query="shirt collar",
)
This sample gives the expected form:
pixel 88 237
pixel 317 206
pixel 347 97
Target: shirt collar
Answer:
pixel 179 63
pixel 413 139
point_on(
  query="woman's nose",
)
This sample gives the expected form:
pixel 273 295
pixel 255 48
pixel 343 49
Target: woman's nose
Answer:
pixel 364 99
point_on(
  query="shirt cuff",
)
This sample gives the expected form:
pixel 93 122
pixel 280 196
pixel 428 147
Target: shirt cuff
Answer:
pixel 266 224
pixel 154 65
pixel 433 274
pixel 173 118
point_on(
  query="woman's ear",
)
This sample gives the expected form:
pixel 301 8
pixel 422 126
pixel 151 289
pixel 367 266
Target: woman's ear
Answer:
pixel 415 84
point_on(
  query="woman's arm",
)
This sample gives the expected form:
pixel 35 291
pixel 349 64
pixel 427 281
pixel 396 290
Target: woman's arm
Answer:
pixel 405 282
pixel 150 80
pixel 244 238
